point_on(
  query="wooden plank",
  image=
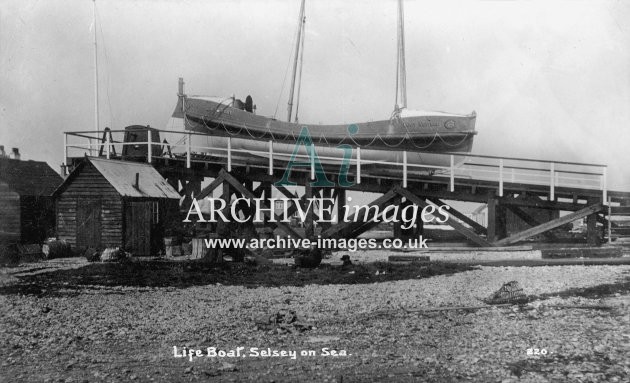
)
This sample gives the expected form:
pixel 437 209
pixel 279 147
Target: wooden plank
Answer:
pixel 540 204
pixel 621 231
pixel 550 225
pixel 468 233
pixel 241 189
pixel 408 258
pixel 462 217
pixel 582 252
pixel 210 188
pixel 341 227
pixel 620 210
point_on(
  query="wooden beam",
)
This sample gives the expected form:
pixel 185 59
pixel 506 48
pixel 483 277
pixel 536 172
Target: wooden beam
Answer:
pixel 462 217
pixel 492 219
pixel 528 219
pixel 592 237
pixel 246 193
pixel 466 232
pixel 342 227
pixel 620 210
pixel 541 204
pixel 210 188
pixel 550 225
pixel 309 224
pixel 341 202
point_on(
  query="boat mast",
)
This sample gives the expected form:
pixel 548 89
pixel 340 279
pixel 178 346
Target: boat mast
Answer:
pixel 96 122
pixel 401 70
pixel 299 89
pixel 298 42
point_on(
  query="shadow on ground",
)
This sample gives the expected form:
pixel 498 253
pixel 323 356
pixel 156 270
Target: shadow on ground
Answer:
pixel 193 273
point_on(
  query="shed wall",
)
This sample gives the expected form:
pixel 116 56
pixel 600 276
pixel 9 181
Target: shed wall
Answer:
pixel 9 215
pixel 90 185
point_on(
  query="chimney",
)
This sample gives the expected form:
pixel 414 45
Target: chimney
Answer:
pixel 137 184
pixel 15 154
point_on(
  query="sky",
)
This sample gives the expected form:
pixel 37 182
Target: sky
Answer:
pixel 548 79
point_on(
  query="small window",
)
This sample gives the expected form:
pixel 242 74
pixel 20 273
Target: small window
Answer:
pixel 155 212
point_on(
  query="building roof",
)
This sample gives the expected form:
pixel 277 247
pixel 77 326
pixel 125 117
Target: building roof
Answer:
pixel 122 176
pixel 29 178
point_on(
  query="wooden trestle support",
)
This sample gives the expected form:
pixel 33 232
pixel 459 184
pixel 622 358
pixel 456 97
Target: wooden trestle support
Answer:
pixel 240 182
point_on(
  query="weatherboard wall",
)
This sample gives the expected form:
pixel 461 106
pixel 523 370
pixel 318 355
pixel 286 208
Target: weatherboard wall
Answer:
pixel 90 188
pixel 9 215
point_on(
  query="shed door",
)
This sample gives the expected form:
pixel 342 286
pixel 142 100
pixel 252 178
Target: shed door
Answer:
pixel 89 223
pixel 138 225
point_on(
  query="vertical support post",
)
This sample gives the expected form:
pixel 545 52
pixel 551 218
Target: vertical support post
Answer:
pixel 452 173
pixel 108 144
pixel 604 185
pixel 267 196
pixel 270 157
pixel 149 146
pixel 552 181
pixel 188 137
pixel 609 221
pixel 229 154
pixel 591 229
pixel 496 220
pixel 341 202
pixel 501 177
pixel 492 217
pixel 405 169
pixel 312 157
pixel 358 165
pixel 309 225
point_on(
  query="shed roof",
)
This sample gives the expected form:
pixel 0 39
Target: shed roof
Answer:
pixel 29 178
pixel 122 176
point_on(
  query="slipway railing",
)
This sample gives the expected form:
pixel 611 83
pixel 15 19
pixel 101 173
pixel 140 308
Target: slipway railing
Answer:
pixel 460 166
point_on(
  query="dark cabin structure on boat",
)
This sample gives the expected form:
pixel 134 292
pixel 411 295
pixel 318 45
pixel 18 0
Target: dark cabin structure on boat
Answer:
pixel 112 203
pixel 27 208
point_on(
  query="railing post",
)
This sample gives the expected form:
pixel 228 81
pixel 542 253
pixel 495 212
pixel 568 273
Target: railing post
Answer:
pixel 609 221
pixel 108 144
pixel 552 181
pixel 358 165
pixel 270 157
pixel 149 146
pixel 501 177
pixel 604 185
pixel 229 154
pixel 405 169
pixel 188 137
pixel 452 173
pixel 312 156
pixel 65 148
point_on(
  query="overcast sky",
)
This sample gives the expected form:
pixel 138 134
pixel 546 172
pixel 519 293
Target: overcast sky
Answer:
pixel 548 79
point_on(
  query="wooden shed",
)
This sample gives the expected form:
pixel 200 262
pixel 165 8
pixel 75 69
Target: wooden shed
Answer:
pixel 27 209
pixel 112 203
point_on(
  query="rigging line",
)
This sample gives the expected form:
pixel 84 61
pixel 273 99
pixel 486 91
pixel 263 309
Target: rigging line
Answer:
pixel 109 102
pixel 284 80
pixel 403 68
pixel 397 62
